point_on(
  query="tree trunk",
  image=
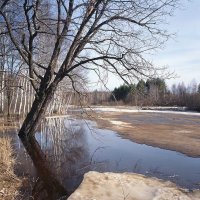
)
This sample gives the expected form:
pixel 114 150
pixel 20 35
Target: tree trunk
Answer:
pixel 29 97
pixel 16 99
pixel 25 96
pixel 8 106
pixel 26 134
pixel 22 95
pixel 2 93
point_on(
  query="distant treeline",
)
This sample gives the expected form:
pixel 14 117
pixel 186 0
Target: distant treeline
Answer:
pixel 152 92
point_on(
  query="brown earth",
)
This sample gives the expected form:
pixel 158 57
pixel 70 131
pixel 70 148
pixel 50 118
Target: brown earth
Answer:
pixel 169 131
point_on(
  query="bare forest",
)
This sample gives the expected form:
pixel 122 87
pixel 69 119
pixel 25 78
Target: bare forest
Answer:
pixel 153 92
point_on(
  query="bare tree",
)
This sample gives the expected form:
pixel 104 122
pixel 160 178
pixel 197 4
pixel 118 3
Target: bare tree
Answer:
pixel 198 90
pixel 10 66
pixel 89 35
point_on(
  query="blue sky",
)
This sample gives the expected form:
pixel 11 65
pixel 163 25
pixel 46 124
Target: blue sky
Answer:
pixel 181 54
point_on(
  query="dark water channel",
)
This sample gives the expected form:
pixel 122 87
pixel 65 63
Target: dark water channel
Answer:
pixel 74 147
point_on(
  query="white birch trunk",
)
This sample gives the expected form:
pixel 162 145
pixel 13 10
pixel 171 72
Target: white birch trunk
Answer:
pixel 2 93
pixel 25 97
pixel 29 95
pixel 22 94
pixel 17 95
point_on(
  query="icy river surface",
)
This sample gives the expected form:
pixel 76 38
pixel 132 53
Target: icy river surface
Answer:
pixel 74 147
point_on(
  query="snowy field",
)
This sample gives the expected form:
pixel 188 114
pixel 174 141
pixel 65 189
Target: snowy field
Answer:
pixel 169 110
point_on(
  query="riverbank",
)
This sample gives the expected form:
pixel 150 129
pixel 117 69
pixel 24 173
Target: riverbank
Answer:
pixel 129 186
pixel 10 184
pixel 7 125
pixel 172 130
pixel 93 150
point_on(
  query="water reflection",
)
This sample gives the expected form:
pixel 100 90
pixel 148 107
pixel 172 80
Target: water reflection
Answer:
pixel 66 149
pixel 74 147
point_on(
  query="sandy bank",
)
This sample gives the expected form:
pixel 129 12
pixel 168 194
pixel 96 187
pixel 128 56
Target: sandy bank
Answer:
pixel 128 186
pixel 178 132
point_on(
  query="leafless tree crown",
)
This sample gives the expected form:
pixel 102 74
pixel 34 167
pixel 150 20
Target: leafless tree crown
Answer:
pixel 55 37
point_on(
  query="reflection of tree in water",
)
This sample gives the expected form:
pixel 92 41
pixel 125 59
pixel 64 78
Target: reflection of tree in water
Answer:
pixel 64 143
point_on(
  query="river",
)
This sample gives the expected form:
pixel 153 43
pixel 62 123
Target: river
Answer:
pixel 74 147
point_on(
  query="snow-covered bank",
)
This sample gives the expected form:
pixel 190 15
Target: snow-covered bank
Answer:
pixel 56 116
pixel 167 108
pixel 130 109
pixel 128 186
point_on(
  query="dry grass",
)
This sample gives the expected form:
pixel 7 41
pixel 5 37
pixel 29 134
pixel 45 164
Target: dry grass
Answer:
pixel 5 125
pixel 9 182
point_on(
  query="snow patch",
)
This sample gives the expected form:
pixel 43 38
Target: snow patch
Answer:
pixel 134 110
pixel 183 131
pixel 120 123
pixel 129 186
